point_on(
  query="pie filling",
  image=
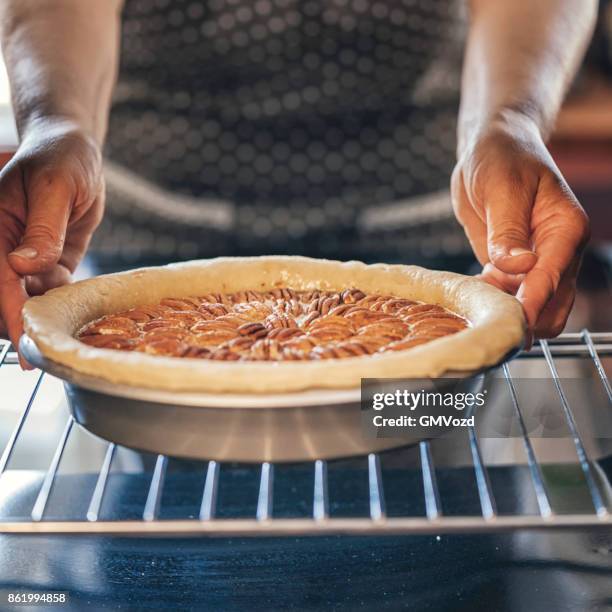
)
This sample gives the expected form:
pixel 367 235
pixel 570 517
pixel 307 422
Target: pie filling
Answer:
pixel 277 325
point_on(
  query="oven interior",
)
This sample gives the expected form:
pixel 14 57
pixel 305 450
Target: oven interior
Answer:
pixel 56 478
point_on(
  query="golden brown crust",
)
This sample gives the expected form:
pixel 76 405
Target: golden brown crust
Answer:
pixel 53 320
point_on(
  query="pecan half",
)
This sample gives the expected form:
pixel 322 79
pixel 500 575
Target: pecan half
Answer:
pixel 329 334
pixel 233 319
pixel 164 333
pixel 423 310
pixel 210 338
pixel 169 347
pixel 163 324
pixel 255 330
pixel 214 309
pixel 140 314
pixel 365 317
pixel 352 296
pixel 108 341
pixel 310 318
pixel 327 303
pixel 197 352
pixel 241 345
pixel 278 319
pixel 332 320
pixel 290 307
pixel 448 325
pixel 115 326
pixel 391 329
pixel 253 311
pixel 393 305
pixel 301 344
pixel 224 354
pixel 187 303
pixel 340 310
pixel 213 325
pixel 185 317
pixel 282 334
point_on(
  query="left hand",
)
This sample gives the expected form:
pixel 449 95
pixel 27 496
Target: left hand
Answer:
pixel 523 222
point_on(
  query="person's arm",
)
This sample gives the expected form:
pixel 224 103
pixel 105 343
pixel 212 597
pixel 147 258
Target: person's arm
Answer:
pixel 523 222
pixel 61 59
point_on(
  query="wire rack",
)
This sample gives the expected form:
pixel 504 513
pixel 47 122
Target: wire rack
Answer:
pixel 584 345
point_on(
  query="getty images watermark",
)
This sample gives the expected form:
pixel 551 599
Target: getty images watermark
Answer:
pixel 426 408
pixel 407 408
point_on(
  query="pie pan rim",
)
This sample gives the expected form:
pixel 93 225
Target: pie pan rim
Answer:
pixel 497 324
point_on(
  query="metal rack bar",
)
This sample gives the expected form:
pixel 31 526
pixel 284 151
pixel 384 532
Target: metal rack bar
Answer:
pixel 573 345
pixel 567 351
pixel 433 508
pixel 578 338
pixel 4 349
pixel 596 496
pixel 209 497
pixel 45 490
pixel 320 502
pixel 266 492
pixel 534 466
pixel 10 445
pixel 93 512
pixel 588 338
pixel 151 508
pixel 377 495
pixel 485 493
pixel 307 526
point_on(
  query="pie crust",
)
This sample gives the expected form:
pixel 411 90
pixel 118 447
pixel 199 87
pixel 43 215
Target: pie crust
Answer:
pixel 497 324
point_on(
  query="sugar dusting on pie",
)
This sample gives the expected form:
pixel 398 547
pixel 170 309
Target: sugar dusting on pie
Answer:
pixel 277 325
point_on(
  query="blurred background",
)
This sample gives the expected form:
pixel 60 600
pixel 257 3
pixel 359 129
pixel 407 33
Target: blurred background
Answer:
pixel 281 121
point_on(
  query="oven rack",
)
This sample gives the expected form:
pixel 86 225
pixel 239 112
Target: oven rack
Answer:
pixel 585 345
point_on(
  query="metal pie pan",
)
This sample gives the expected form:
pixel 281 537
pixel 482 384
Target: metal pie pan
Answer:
pixel 307 425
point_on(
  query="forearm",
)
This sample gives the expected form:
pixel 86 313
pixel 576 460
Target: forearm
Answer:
pixel 520 58
pixel 61 58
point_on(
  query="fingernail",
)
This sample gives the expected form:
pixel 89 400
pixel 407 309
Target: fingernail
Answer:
pixel 516 251
pixel 26 252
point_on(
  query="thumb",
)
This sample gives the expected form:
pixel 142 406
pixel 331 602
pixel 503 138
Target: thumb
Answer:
pixel 49 201
pixel 509 230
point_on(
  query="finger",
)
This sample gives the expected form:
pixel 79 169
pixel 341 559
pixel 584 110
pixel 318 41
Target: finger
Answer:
pixel 12 298
pixel 49 201
pixel 79 235
pixel 473 226
pixel 553 318
pixel 509 283
pixel 508 202
pixel 41 283
pixel 559 251
pixel 539 289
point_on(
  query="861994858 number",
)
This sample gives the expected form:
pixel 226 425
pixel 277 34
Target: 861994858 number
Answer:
pixel 32 598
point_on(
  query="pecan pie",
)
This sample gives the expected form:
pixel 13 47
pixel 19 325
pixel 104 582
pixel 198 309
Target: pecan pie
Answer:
pixel 278 325
pixel 272 324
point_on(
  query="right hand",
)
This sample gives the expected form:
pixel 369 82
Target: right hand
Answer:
pixel 51 201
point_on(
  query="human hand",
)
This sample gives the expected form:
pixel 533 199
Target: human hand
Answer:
pixel 51 201
pixel 523 222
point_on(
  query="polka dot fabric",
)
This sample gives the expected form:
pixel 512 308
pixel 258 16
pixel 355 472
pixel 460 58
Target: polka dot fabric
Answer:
pixel 301 115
